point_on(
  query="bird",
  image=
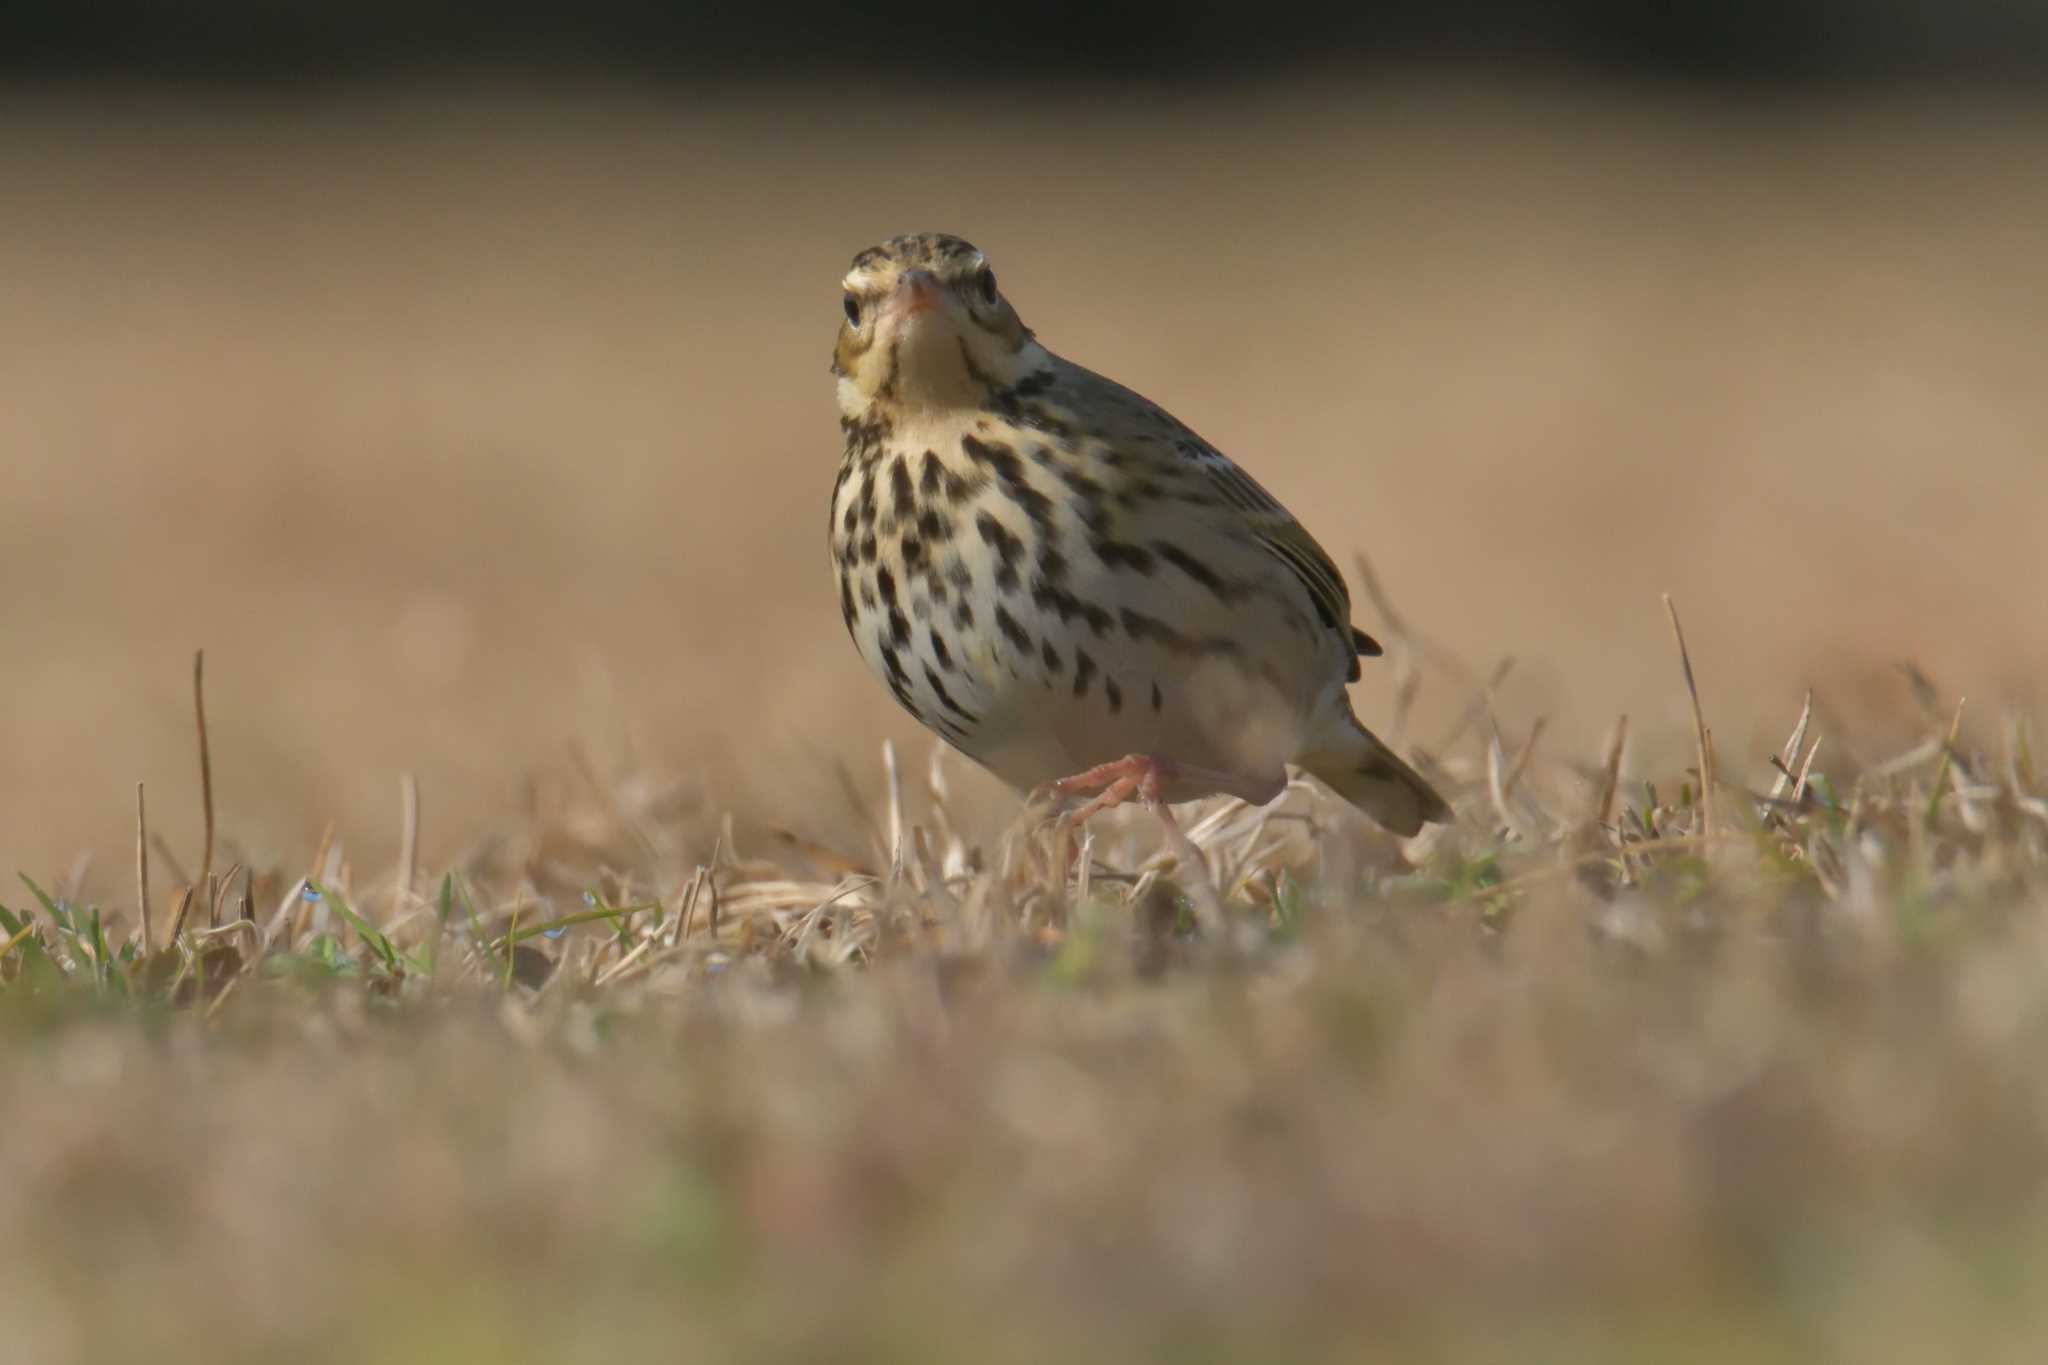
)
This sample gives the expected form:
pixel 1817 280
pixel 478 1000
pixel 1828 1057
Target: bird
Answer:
pixel 1068 584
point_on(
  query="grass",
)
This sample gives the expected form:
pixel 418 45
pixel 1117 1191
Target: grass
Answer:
pixel 1606 1070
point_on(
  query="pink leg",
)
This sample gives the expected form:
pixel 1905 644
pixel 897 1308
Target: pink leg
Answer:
pixel 1116 782
pixel 1145 777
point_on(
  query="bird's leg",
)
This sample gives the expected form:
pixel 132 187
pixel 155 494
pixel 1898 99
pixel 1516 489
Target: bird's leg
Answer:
pixel 1145 777
pixel 1208 900
pixel 1116 782
pixel 1158 771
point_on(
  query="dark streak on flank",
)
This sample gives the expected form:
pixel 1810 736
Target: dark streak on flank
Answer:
pixel 1194 568
pixel 1012 629
pixel 1138 494
pixel 899 681
pixel 1007 467
pixel 1038 418
pixel 999 458
pixel 946 698
pixel 1080 484
pixel 941 653
pixel 1084 669
pixel 1030 386
pixel 1048 597
pixel 1141 627
pixel 935 478
pixel 1008 547
pixel 1051 656
pixel 1158 699
pixel 1115 554
pixel 1036 505
pixel 1114 693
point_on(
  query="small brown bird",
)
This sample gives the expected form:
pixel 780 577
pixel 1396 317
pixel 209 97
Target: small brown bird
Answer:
pixel 1066 583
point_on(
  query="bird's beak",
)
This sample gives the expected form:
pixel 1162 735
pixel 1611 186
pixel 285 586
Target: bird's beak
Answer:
pixel 916 292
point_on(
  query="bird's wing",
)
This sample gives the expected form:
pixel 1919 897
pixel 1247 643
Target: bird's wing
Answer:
pixel 1272 527
pixel 1276 531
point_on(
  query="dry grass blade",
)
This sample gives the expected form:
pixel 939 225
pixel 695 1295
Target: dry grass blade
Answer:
pixel 1790 754
pixel 1495 791
pixel 218 894
pixel 142 870
pixel 894 787
pixel 1805 770
pixel 826 857
pixel 178 919
pixel 1949 762
pixel 205 762
pixel 1481 706
pixel 932 877
pixel 1610 774
pixel 408 843
pixel 1522 757
pixel 1702 735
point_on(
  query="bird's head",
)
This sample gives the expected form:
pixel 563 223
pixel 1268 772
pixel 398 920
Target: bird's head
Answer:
pixel 924 325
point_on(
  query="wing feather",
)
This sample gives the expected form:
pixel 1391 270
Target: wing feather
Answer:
pixel 1280 535
pixel 1164 439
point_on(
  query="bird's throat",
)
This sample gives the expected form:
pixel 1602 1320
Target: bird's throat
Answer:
pixel 932 366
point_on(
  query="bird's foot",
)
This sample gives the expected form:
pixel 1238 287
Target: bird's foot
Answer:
pixel 1145 777
pixel 1114 783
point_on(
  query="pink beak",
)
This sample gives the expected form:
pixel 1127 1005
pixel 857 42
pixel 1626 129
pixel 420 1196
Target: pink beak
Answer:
pixel 916 292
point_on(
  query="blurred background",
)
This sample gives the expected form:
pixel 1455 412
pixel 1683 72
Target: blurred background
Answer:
pixel 455 375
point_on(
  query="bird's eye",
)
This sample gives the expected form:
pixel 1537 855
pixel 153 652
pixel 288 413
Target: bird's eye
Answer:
pixel 852 310
pixel 988 285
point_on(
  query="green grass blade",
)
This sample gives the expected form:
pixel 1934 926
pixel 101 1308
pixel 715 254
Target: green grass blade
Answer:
pixel 612 913
pixel 371 936
pixel 62 918
pixel 476 928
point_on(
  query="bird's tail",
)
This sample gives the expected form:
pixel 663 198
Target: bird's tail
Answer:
pixel 1364 771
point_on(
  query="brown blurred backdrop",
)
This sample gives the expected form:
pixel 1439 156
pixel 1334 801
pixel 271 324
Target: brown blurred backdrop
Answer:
pixel 461 422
